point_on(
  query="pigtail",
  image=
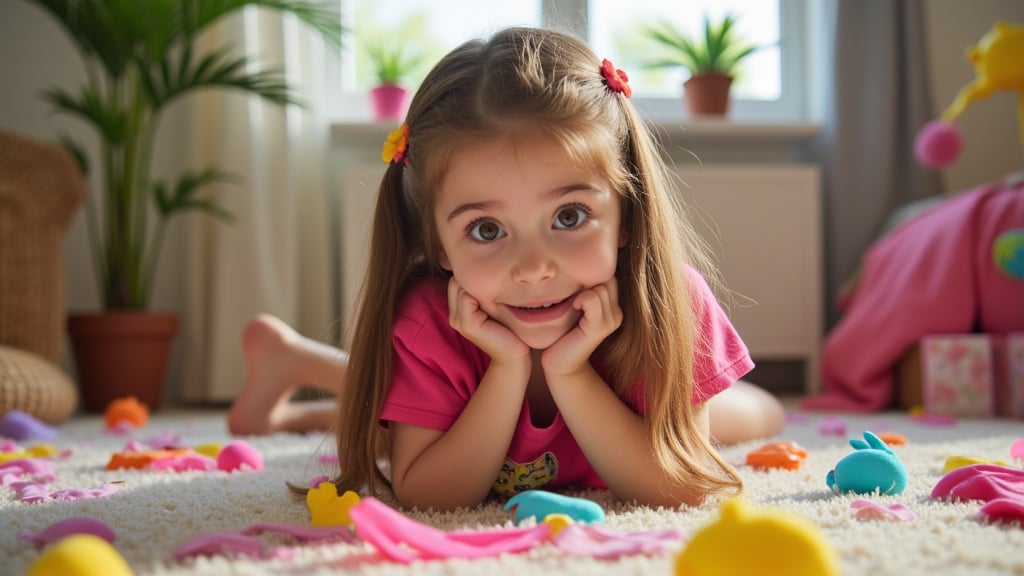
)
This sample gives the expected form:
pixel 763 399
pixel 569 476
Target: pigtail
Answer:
pixel 661 318
pixel 393 241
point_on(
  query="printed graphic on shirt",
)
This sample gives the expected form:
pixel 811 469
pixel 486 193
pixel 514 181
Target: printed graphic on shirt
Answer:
pixel 515 477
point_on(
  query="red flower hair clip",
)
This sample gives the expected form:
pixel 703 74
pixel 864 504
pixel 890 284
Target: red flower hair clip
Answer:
pixel 617 79
pixel 394 148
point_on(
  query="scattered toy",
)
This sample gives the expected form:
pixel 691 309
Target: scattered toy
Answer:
pixel 874 466
pixel 785 455
pixel 239 454
pixel 142 460
pixel 126 411
pixel 1017 449
pixel 18 425
pixel 326 508
pixel 767 543
pixel 954 462
pixel 893 438
pixel 538 504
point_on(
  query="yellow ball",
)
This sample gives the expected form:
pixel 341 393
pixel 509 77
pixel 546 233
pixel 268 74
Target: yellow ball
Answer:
pixel 80 555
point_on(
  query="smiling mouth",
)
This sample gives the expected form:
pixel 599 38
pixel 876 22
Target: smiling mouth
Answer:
pixel 543 312
pixel 542 306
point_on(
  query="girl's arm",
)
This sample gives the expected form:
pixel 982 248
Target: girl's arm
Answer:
pixel 616 440
pixel 458 467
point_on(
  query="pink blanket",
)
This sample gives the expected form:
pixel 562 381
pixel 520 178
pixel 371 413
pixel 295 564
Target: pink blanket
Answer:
pixel 934 274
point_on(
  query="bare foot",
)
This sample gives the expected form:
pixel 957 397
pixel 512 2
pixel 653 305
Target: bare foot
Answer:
pixel 270 377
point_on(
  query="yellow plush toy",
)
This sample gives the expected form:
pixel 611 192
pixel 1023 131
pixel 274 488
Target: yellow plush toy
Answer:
pixel 998 61
pixel 766 543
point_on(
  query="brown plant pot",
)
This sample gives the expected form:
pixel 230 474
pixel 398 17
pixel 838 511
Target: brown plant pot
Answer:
pixel 707 94
pixel 120 354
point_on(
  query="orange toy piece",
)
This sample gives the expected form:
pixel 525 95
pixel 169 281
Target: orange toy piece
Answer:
pixel 893 438
pixel 141 460
pixel 786 455
pixel 127 409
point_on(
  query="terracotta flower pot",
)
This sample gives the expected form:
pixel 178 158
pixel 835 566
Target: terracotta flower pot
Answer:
pixel 121 354
pixel 707 94
pixel 389 102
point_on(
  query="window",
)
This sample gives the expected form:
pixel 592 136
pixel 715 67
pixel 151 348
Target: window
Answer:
pixel 770 85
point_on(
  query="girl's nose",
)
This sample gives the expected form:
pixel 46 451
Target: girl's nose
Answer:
pixel 533 264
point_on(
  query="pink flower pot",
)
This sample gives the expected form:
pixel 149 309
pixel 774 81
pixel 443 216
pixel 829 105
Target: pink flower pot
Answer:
pixel 389 102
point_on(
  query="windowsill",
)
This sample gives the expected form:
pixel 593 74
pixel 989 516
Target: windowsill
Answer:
pixel 703 130
pixel 705 139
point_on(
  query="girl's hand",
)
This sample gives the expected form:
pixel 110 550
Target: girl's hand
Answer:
pixel 468 319
pixel 601 316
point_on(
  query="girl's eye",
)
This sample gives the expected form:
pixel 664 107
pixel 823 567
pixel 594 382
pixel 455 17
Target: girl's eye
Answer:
pixel 571 217
pixel 485 231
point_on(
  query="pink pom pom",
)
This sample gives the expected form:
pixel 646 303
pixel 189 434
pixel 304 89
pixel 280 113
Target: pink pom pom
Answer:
pixel 237 454
pixel 938 144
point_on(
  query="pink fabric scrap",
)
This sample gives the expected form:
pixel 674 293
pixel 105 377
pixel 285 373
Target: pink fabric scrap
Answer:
pixel 984 482
pixel 37 468
pixel 868 510
pixel 302 533
pixel 402 539
pixel 184 463
pixel 600 542
pixel 1003 511
pixel 33 492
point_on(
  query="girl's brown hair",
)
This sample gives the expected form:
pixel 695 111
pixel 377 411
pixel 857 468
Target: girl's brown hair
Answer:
pixel 533 82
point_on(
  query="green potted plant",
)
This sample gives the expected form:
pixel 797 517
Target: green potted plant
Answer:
pixel 141 56
pixel 393 65
pixel 712 60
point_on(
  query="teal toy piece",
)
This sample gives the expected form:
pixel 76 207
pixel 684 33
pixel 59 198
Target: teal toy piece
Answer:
pixel 1008 253
pixel 874 466
pixel 538 504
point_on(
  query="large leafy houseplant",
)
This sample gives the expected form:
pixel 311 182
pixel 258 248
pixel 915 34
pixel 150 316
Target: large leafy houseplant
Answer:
pixel 141 56
pixel 712 60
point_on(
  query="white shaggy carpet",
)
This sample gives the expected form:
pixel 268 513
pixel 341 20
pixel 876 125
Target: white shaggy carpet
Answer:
pixel 155 511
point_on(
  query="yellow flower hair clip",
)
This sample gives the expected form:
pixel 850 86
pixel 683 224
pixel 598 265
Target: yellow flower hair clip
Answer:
pixel 395 147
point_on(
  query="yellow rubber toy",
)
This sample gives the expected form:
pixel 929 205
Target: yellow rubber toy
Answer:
pixel 767 543
pixel 80 555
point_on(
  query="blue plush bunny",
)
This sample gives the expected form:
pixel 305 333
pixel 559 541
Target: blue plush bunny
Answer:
pixel 874 466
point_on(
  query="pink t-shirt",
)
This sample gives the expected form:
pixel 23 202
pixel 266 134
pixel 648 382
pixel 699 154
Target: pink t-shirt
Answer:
pixel 436 371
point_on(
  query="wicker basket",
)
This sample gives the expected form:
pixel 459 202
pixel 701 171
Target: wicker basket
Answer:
pixel 41 189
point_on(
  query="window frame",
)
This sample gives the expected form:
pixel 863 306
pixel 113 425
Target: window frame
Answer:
pixel 572 16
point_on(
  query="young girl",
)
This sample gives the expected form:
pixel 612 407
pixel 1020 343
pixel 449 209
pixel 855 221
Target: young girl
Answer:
pixel 532 316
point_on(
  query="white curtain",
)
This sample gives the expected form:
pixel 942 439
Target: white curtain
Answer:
pixel 276 255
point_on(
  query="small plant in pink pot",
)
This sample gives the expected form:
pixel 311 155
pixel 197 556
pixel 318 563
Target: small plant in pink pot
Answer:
pixel 393 65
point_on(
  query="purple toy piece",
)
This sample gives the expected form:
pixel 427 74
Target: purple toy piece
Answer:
pixel 216 543
pixel 18 425
pixel 68 527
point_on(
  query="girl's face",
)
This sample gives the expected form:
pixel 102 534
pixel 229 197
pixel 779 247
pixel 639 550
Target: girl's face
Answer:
pixel 523 232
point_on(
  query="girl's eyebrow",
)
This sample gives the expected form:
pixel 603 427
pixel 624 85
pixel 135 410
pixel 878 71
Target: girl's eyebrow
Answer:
pixel 556 193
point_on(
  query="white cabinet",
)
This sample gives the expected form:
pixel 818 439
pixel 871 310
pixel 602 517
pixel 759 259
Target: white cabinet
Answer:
pixel 761 218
